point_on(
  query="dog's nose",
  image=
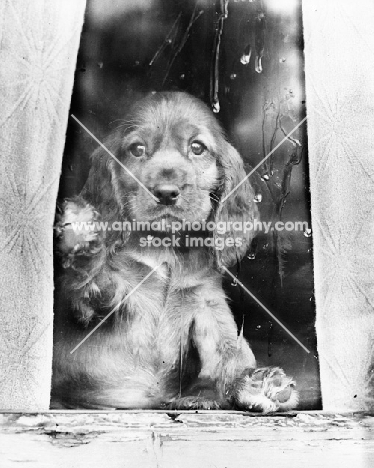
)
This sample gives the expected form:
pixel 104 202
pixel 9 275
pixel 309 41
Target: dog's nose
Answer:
pixel 167 194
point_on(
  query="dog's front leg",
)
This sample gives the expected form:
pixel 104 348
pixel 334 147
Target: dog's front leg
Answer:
pixel 81 246
pixel 222 354
pixel 228 377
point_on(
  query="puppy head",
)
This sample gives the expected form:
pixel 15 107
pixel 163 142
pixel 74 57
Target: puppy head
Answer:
pixel 170 161
pixel 164 163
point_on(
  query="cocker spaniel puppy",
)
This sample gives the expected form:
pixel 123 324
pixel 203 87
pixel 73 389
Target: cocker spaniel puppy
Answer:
pixel 169 339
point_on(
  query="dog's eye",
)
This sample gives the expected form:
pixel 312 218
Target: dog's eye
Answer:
pixel 198 148
pixel 137 150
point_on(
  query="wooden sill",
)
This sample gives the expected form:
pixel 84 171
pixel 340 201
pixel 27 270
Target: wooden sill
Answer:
pixel 185 439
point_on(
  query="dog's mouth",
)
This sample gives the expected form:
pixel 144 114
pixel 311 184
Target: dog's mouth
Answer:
pixel 165 221
pixel 195 210
pixel 170 221
pixel 165 212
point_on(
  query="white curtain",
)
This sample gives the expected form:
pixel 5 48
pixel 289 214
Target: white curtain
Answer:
pixel 339 55
pixel 38 49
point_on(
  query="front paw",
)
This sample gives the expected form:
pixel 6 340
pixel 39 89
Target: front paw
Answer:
pixel 77 228
pixel 266 389
pixel 194 403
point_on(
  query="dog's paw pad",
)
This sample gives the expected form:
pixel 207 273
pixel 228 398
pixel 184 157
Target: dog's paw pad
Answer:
pixel 266 389
pixel 77 228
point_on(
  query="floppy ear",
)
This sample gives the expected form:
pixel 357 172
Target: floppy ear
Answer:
pixel 105 190
pixel 236 213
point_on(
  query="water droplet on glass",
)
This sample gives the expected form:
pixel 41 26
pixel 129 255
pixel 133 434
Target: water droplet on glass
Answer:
pixel 233 76
pixel 251 256
pixel 282 60
pixel 308 232
pixel 246 57
pixel 265 176
pixel 258 198
pixel 258 65
pixel 216 107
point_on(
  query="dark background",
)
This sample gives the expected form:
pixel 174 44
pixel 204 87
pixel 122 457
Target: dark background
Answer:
pixel 129 48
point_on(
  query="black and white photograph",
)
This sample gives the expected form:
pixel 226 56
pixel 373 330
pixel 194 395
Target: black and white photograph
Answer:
pixel 186 214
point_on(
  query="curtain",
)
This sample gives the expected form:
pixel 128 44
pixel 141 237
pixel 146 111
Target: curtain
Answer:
pixel 39 41
pixel 339 56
